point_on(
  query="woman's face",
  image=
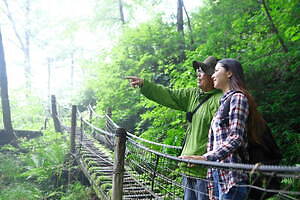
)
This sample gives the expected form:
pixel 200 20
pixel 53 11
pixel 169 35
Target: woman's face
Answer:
pixel 221 78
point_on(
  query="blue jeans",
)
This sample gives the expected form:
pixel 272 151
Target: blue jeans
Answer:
pixel 235 193
pixel 194 189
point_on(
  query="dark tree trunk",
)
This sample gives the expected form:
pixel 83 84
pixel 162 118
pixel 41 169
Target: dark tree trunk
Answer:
pixel 180 29
pixel 8 135
pixel 180 16
pixel 56 121
pixel 274 28
pixel 121 12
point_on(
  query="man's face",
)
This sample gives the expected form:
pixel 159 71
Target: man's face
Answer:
pixel 204 81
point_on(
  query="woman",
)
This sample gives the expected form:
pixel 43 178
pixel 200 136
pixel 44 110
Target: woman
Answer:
pixel 227 142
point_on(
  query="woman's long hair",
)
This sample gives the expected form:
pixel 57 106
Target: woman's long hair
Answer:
pixel 255 124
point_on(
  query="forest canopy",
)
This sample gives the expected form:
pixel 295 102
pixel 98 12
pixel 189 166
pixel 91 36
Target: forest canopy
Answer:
pixel 81 52
pixel 262 35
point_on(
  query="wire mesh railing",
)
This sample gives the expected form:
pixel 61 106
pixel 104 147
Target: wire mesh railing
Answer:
pixel 167 176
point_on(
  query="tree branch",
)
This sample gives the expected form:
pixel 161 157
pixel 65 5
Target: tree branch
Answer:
pixel 274 28
pixel 189 24
pixel 10 17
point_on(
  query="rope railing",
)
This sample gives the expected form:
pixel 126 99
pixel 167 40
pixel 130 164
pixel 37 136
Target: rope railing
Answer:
pixel 286 171
pixel 90 108
pixel 170 168
pixel 98 129
pixel 111 124
pixel 111 121
pixel 248 167
pixel 155 143
pixel 115 126
pixel 163 171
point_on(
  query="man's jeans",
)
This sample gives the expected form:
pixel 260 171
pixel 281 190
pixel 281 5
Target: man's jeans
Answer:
pixel 235 193
pixel 194 189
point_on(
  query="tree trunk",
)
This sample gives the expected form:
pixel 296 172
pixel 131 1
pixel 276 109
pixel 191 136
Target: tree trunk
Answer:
pixel 121 12
pixel 49 60
pixel 274 28
pixel 27 48
pixel 56 121
pixel 180 29
pixel 8 135
pixel 189 25
pixel 72 72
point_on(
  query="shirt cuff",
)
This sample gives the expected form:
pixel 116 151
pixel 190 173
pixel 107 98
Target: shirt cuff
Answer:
pixel 210 156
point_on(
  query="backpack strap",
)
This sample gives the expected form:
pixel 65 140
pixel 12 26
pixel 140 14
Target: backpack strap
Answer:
pixel 267 153
pixel 225 121
pixel 226 109
pixel 189 115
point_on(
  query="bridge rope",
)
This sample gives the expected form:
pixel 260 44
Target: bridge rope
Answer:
pixel 162 171
pixel 113 126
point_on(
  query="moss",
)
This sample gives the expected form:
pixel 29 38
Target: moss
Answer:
pixel 93 169
pixel 105 178
pixel 86 160
pixel 109 193
pixel 90 163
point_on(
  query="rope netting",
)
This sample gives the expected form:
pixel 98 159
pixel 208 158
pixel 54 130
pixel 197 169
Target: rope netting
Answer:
pixel 167 176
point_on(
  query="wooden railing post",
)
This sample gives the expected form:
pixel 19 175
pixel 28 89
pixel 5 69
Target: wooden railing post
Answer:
pixel 90 114
pixel 108 112
pixel 108 128
pixel 154 172
pixel 73 129
pixel 45 123
pixel 120 141
pixel 55 115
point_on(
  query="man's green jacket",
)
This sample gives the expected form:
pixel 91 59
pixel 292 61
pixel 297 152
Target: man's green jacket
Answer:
pixel 187 100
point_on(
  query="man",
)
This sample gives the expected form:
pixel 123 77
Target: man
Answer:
pixel 188 100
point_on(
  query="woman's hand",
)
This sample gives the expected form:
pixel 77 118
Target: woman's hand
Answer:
pixel 192 158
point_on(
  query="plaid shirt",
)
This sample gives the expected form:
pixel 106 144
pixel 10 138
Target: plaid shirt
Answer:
pixel 225 139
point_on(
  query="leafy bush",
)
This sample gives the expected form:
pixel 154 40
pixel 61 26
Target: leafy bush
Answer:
pixel 77 191
pixel 35 174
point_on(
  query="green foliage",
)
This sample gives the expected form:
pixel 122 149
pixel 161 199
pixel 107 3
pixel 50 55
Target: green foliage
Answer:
pixel 77 191
pixel 35 174
pixel 47 156
pixel 26 112
pixel 8 168
pixel 24 191
pixel 220 28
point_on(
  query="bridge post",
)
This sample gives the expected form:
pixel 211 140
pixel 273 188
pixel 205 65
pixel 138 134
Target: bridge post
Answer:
pixel 118 171
pixel 56 121
pixel 108 112
pixel 90 114
pixel 73 129
pixel 109 139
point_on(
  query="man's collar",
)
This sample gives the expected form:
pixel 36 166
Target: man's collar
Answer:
pixel 211 92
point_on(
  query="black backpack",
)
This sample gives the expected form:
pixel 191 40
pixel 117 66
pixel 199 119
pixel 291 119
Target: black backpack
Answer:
pixel 266 154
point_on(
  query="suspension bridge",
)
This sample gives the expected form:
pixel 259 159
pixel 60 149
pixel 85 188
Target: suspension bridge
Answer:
pixel 120 165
